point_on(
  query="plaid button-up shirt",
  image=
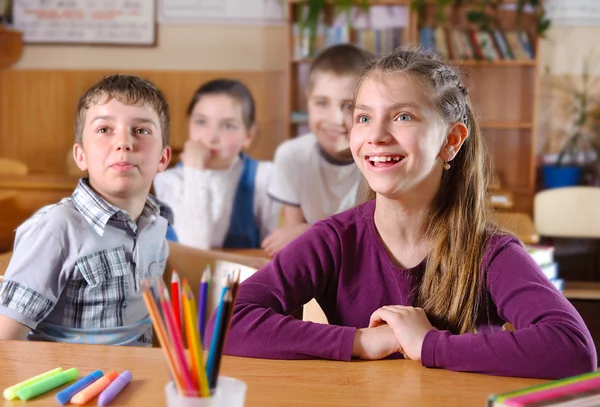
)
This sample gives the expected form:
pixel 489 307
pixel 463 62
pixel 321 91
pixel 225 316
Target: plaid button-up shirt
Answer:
pixel 76 267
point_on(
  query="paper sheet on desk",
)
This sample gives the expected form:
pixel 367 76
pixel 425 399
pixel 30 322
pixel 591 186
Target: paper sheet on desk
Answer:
pixel 219 272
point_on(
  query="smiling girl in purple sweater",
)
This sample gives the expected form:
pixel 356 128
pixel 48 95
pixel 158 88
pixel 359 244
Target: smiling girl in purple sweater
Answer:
pixel 420 270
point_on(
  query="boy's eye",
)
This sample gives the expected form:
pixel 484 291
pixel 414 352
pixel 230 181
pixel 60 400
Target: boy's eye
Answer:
pixel 200 122
pixel 347 106
pixel 142 131
pixel 321 103
pixel 229 126
pixel 362 119
pixel 403 117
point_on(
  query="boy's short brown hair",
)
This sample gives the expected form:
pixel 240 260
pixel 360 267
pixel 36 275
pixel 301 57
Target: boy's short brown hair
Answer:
pixel 340 60
pixel 129 90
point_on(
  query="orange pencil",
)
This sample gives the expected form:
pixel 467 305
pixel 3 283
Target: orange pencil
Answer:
pixel 94 389
pixel 163 338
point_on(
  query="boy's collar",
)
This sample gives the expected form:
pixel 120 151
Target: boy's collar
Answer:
pixel 97 211
pixel 333 160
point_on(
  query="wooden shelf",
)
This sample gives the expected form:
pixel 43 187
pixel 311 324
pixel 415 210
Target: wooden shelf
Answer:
pixel 461 62
pixel 499 63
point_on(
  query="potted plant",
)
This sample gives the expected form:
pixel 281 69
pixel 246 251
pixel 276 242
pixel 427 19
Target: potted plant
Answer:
pixel 578 158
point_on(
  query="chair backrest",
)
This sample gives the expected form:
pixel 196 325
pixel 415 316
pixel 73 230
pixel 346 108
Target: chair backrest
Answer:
pixel 10 166
pixel 568 212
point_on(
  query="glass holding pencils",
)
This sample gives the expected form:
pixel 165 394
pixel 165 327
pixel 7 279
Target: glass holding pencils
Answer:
pixel 196 382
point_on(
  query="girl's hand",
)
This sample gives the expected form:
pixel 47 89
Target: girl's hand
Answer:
pixel 409 324
pixel 195 155
pixel 375 343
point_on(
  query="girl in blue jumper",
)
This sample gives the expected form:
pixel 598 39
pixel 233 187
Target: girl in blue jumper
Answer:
pixel 218 193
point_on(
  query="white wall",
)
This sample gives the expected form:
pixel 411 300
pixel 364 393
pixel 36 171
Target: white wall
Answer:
pixel 179 47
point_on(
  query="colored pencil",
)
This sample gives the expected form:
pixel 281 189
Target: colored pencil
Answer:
pixel 216 333
pixel 203 302
pixel 177 342
pixel 220 340
pixel 163 337
pixel 193 341
pixel 176 298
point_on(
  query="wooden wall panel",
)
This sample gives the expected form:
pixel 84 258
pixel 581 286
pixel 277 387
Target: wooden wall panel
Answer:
pixel 37 110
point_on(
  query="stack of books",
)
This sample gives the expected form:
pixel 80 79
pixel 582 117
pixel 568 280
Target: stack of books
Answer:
pixel 581 390
pixel 544 257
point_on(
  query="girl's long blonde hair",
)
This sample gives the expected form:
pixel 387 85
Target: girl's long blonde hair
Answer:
pixel 458 221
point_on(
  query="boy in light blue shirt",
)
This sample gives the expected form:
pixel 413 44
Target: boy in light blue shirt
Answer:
pixel 76 267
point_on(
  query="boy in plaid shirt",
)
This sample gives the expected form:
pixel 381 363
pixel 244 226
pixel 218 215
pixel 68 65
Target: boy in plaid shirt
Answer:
pixel 76 267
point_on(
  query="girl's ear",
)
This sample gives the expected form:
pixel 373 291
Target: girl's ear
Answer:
pixel 457 135
pixel 79 156
pixel 250 134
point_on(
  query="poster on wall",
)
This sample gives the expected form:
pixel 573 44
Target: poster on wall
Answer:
pixel 573 12
pixel 114 22
pixel 222 11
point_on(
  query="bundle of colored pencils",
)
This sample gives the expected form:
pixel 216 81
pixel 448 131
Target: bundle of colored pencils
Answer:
pixel 191 375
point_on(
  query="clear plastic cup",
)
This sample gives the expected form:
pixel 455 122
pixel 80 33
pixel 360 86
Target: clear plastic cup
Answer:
pixel 230 392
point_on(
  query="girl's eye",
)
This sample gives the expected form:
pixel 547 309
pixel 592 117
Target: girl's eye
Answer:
pixel 102 130
pixel 321 103
pixel 200 122
pixel 403 117
pixel 362 119
pixel 142 131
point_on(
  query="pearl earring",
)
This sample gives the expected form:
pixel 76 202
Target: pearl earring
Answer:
pixel 446 166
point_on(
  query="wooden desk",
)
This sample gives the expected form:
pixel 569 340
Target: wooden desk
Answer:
pixel 270 382
pixel 260 253
pixel 47 182
pixel 7 195
pixel 32 192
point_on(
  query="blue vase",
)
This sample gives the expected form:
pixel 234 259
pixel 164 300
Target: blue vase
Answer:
pixel 563 176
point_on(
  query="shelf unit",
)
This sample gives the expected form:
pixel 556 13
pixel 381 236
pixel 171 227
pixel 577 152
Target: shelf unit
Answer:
pixel 503 93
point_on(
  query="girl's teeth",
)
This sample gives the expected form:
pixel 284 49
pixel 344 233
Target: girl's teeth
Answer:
pixel 383 159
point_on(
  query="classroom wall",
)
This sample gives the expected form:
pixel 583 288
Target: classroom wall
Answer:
pixel 561 61
pixel 38 95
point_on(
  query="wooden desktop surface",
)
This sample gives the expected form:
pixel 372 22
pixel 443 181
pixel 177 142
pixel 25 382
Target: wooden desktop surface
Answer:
pixel 48 182
pixel 270 382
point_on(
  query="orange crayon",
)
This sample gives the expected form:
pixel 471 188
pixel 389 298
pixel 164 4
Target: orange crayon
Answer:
pixel 94 389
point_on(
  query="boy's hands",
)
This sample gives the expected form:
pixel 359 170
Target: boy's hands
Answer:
pixel 11 329
pixel 375 343
pixel 282 236
pixel 409 325
pixel 195 155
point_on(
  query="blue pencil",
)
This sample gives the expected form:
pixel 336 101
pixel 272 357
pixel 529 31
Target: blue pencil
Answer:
pixel 202 303
pixel 210 362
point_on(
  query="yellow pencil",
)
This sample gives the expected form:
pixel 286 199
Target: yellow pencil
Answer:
pixel 190 317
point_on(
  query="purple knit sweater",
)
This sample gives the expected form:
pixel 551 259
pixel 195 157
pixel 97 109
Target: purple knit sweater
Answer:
pixel 342 263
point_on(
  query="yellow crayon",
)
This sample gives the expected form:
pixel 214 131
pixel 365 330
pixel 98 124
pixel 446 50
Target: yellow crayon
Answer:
pixel 10 393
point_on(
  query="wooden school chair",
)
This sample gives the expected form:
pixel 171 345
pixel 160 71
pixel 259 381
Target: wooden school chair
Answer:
pixel 11 166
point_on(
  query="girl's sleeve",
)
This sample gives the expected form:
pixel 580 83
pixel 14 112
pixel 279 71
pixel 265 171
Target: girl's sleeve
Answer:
pixel 550 339
pixel 189 197
pixel 262 325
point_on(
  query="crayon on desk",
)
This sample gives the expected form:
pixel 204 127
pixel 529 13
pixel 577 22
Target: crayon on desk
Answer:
pixel 114 388
pixel 47 384
pixel 94 389
pixel 10 393
pixel 65 395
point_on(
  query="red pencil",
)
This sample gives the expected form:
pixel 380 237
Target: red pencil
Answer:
pixel 176 298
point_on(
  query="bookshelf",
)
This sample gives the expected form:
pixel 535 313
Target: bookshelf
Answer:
pixel 503 89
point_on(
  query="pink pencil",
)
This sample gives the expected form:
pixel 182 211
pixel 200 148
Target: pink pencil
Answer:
pixel 177 341
pixel 554 392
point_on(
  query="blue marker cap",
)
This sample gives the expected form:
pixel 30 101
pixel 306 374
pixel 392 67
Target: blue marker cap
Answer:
pixel 64 396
